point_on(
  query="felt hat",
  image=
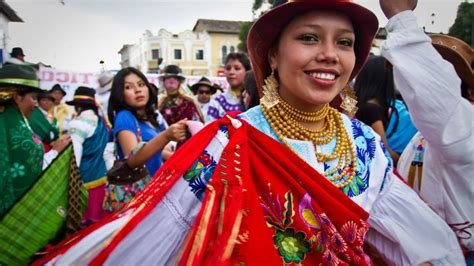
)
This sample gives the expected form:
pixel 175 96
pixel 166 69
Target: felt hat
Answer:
pixel 457 53
pixel 16 52
pixel 206 82
pixel 45 95
pixel 58 87
pixel 105 81
pixel 172 71
pixel 83 95
pixel 22 76
pixel 266 30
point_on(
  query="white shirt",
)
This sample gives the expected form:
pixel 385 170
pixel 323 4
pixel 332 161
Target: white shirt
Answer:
pixel 431 89
pixel 81 128
pixel 103 98
pixel 204 107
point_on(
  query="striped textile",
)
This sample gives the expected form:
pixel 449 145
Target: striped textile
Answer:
pixel 42 211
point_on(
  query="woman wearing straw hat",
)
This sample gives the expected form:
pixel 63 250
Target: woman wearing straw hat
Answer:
pixel 203 91
pixel 291 181
pixel 89 136
pixel 438 87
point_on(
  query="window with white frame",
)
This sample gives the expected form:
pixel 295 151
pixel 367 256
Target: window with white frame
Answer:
pixel 178 54
pixel 224 53
pixel 155 54
pixel 232 49
pixel 199 54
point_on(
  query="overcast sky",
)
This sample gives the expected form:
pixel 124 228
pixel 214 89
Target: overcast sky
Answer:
pixel 78 34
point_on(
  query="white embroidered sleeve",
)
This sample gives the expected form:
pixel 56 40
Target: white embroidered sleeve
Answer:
pixel 49 157
pixel 430 87
pixel 407 232
pixel 80 129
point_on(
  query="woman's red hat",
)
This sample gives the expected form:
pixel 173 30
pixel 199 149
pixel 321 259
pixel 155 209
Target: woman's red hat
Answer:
pixel 265 31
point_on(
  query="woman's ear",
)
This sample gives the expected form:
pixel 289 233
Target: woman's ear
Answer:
pixel 17 98
pixel 272 57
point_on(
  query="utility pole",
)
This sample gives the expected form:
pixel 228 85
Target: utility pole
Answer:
pixel 433 15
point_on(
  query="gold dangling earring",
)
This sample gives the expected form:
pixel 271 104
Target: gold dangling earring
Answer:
pixel 270 91
pixel 349 101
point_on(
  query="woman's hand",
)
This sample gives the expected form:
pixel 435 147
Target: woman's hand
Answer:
pixel 177 131
pixel 392 7
pixel 60 144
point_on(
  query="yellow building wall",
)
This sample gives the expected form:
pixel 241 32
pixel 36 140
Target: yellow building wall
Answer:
pixel 190 67
pixel 183 54
pixel 217 40
pixel 193 66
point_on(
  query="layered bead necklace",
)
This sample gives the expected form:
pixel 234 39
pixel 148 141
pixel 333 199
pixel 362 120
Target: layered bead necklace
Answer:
pixel 286 122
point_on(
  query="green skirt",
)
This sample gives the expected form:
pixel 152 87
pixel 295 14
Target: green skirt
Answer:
pixel 54 202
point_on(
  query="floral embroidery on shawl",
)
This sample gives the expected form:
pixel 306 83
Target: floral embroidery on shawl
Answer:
pixel 323 238
pixel 292 245
pixel 22 141
pixel 200 173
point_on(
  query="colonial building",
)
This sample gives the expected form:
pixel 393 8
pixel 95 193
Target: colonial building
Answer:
pixel 7 14
pixel 198 52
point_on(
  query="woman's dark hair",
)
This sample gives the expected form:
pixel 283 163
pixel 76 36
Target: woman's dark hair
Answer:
pixel 20 90
pixel 375 82
pixel 83 107
pixel 117 99
pixel 250 86
pixel 241 57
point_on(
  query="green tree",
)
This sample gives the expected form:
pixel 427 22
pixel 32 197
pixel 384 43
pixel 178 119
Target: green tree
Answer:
pixel 464 24
pixel 244 29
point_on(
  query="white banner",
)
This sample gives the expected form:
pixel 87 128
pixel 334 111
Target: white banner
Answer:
pixel 70 80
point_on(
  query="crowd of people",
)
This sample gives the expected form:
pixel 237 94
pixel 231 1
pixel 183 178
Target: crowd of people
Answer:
pixel 273 165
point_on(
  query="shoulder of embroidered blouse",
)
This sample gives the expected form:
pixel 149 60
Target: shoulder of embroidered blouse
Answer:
pixel 356 125
pixel 219 96
pixel 84 121
pixel 252 116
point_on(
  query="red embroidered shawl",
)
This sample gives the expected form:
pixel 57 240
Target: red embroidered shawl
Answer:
pixel 263 205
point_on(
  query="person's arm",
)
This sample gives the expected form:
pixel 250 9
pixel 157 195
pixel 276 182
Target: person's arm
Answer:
pixel 127 141
pixel 378 127
pixel 175 132
pixel 56 147
pixel 428 83
pixel 405 231
pixel 125 131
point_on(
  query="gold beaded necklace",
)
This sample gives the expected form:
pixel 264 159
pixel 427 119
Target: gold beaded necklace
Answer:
pixel 286 121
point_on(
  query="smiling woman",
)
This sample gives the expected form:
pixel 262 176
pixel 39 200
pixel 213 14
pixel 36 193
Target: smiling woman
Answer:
pixel 314 61
pixel 292 178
